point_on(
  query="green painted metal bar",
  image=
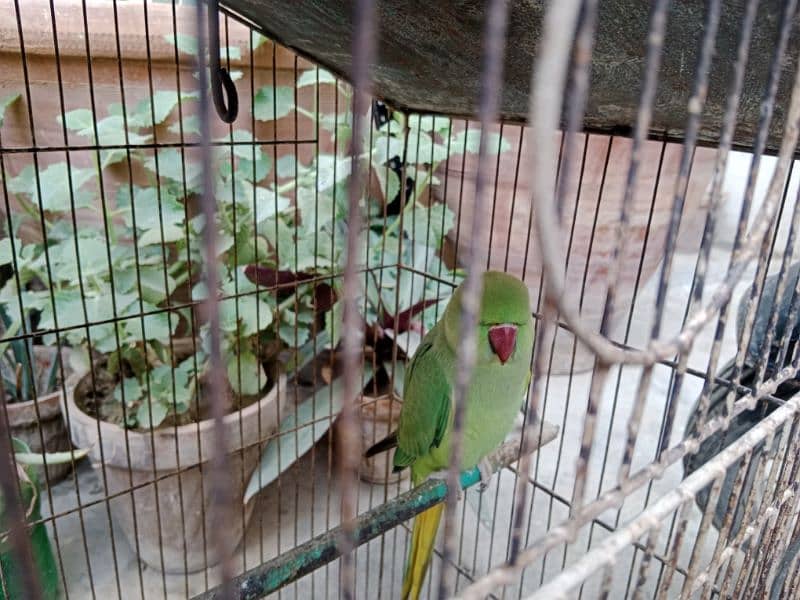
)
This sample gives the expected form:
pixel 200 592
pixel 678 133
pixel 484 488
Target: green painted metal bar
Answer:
pixel 315 553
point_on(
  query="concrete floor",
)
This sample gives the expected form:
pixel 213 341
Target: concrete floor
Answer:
pixel 307 502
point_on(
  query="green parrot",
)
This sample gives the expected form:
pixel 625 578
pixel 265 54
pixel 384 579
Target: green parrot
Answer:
pixel 498 385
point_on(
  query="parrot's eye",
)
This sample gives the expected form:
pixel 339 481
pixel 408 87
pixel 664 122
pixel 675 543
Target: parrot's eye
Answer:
pixel 503 340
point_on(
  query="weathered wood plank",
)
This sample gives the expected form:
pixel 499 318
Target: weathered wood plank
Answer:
pixel 429 57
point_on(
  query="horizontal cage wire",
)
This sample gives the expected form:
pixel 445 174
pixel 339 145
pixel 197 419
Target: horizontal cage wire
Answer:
pixel 223 250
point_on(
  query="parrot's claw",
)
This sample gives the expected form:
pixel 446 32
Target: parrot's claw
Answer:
pixel 443 476
pixel 485 469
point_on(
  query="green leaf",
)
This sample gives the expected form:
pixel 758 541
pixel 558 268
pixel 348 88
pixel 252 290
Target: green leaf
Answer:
pixel 171 233
pixel 184 42
pixel 255 172
pixel 230 53
pixel 428 224
pixel 53 182
pixel 469 141
pixel 240 150
pixel 188 45
pixel 268 204
pixel 282 243
pixel 293 328
pixel 228 317
pixel 312 76
pixel 6 253
pixel 152 283
pixel 256 40
pixel 334 320
pixel 130 388
pixel 52 458
pixel 111 132
pixel 156 325
pixel 78 120
pixel 271 103
pixel 155 110
pixel 397 371
pixel 247 154
pixel 298 433
pixel 5 102
pixel 150 210
pixel 423 150
pixel 384 149
pixel 253 314
pixel 151 414
pixel 247 365
pixel 390 183
pixel 93 258
pixel 190 125
pixel 286 166
pixel 254 319
pixel 316 210
pixel 170 166
pixel 331 171
pixel 429 123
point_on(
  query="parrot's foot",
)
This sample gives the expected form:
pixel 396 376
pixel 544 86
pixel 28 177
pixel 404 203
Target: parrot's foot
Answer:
pixel 485 469
pixel 443 476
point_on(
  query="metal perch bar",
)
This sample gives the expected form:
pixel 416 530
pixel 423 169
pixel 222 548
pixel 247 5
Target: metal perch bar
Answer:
pixel 324 548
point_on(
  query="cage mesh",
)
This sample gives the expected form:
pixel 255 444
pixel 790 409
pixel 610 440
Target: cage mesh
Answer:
pixel 221 316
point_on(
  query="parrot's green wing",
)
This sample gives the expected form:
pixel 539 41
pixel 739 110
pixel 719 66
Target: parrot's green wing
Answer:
pixel 426 405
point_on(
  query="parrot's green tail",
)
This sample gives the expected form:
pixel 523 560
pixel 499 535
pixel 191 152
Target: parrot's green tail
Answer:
pixel 423 536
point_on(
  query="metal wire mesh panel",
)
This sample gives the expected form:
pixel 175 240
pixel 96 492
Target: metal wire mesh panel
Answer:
pixel 221 262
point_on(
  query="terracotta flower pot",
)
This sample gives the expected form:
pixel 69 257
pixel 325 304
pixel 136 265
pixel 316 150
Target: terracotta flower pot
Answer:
pixel 48 425
pixel 379 417
pixel 589 229
pixel 152 456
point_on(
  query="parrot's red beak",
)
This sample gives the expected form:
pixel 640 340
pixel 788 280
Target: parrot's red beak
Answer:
pixel 503 340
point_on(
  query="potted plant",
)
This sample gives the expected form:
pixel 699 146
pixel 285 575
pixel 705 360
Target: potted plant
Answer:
pixel 108 292
pixel 44 563
pixel 405 228
pixel 33 373
pixel 146 380
pixel 33 388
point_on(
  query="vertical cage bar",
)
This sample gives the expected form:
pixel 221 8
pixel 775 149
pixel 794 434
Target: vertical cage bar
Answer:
pixel 491 85
pixel 219 476
pixel 363 54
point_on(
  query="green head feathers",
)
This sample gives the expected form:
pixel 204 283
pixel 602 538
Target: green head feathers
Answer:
pixel 504 299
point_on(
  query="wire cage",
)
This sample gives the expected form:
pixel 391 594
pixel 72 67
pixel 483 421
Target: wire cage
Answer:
pixel 219 255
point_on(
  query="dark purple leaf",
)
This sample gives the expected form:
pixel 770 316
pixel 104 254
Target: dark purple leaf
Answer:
pixel 324 297
pixel 269 277
pixel 402 322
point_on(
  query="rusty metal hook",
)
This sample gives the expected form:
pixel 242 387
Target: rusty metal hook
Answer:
pixel 219 76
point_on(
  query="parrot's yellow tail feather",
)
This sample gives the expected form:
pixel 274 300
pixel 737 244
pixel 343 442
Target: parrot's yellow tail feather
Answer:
pixel 423 537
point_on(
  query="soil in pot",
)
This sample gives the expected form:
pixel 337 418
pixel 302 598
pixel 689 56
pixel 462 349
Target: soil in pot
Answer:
pixel 168 464
pixel 34 422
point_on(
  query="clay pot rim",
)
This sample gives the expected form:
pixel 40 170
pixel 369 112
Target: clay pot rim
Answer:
pixel 190 428
pixel 104 436
pixel 372 409
pixel 21 414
